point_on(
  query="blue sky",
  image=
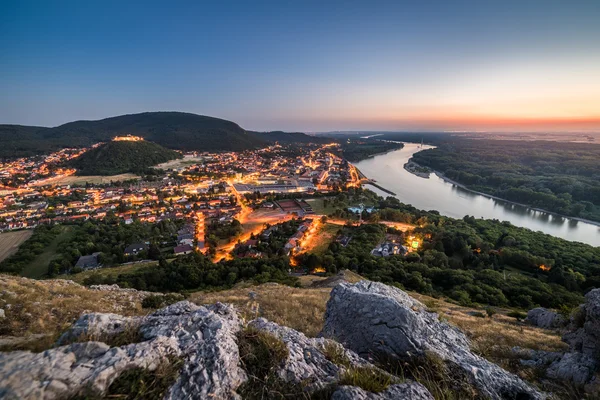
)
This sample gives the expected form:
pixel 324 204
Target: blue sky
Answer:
pixel 303 65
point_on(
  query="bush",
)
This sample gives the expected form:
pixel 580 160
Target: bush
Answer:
pixel 520 316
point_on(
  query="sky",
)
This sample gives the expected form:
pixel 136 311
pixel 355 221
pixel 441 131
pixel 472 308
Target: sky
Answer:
pixel 527 65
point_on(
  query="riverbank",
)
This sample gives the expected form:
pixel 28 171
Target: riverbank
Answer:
pixel 456 201
pixel 418 170
pixel 491 196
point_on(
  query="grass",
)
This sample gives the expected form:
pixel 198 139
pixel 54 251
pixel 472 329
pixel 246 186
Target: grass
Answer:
pixel 10 242
pixel 443 381
pixel 39 266
pixel 261 354
pixel 92 179
pixel 109 271
pixel 319 208
pixel 326 234
pixel 130 334
pixel 39 311
pixel 141 383
pixel 335 353
pixel 49 307
pixel 368 378
pixel 300 309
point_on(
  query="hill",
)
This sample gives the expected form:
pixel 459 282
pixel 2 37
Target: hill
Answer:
pixel 38 312
pixel 117 157
pixel 288 137
pixel 175 130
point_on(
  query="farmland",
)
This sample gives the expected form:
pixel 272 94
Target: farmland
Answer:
pixel 10 242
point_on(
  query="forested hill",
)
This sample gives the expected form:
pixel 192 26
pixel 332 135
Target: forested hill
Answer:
pixel 289 137
pixel 120 157
pixel 175 130
pixel 559 177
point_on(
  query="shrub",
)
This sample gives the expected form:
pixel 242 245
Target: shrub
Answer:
pixel 518 315
pixel 490 312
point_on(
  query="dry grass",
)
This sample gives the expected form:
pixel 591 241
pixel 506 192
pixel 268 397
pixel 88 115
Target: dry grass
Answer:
pixel 303 309
pixel 300 309
pixel 106 272
pixel 92 179
pixel 49 307
pixel 369 378
pixel 10 242
pixel 37 312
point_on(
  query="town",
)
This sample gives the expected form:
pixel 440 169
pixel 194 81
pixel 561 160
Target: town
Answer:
pixel 225 205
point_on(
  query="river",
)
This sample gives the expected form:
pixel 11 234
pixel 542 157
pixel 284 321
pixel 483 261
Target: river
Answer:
pixel 453 201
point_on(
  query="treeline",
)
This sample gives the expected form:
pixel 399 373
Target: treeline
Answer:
pixel 42 236
pixel 120 157
pixel 109 237
pixel 359 149
pixel 469 260
pixel 558 177
pixel 273 246
pixel 197 272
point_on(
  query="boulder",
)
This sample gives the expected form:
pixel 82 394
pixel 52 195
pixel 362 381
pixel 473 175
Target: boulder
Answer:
pixel 544 318
pixel 376 320
pixel 307 362
pixel 407 390
pixel 203 337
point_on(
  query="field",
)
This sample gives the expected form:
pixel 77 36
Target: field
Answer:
pixel 323 238
pixel 94 179
pixel 10 242
pixel 182 162
pixel 112 271
pixel 39 266
pixel 319 208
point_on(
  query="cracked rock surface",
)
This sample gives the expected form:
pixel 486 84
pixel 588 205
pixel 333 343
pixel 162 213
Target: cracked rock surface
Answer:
pixel 377 320
pixel 204 337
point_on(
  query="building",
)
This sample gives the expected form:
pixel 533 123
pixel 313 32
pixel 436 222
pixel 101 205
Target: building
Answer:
pixel 88 262
pixel 134 249
pixel 183 249
pixel 389 249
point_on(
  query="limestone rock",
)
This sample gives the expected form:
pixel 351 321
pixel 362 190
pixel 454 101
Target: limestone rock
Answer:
pixel 407 391
pixel 204 337
pixel 578 368
pixel 378 320
pixel 544 318
pixel 307 362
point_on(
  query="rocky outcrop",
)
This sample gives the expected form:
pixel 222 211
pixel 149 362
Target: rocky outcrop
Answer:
pixel 376 320
pixel 544 318
pixel 363 321
pixel 581 363
pixel 410 390
pixel 203 337
pixel 307 362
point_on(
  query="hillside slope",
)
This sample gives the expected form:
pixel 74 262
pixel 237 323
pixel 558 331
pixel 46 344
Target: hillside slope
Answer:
pixel 288 137
pixel 120 157
pixel 37 312
pixel 175 130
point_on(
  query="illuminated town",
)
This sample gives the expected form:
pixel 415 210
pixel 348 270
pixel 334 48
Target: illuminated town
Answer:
pixel 257 190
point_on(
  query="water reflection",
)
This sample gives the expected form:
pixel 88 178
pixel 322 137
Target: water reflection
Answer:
pixel 452 200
